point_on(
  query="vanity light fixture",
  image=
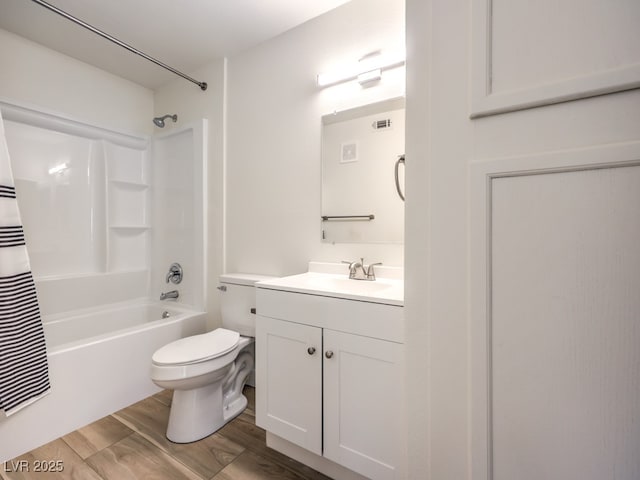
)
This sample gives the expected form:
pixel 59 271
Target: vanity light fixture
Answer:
pixel 367 79
pixel 367 71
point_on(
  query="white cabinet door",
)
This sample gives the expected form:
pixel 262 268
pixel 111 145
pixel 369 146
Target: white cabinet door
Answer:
pixel 289 381
pixel 564 333
pixel 363 402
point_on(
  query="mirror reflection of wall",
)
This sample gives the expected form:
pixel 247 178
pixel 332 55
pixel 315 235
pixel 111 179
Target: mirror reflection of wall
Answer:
pixel 360 148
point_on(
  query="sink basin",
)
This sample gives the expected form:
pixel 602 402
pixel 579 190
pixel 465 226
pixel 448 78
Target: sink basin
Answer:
pixel 340 284
pixel 381 290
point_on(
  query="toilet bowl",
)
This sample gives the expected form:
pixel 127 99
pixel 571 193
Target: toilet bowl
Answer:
pixel 207 372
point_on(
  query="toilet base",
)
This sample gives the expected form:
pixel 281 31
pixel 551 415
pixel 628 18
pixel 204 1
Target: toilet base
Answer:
pixel 194 415
pixel 188 424
pixel 235 408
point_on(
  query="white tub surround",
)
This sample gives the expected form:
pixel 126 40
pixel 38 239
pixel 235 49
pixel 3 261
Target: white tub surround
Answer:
pixel 84 194
pixel 95 203
pixel 179 216
pixel 63 294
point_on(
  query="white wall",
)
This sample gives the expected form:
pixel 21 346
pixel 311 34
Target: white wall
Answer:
pixel 191 104
pixel 33 75
pixel 273 136
pixel 441 144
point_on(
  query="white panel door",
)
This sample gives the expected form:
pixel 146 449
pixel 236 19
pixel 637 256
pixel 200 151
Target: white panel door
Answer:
pixel 289 381
pixel 363 397
pixel 564 334
pixel 561 278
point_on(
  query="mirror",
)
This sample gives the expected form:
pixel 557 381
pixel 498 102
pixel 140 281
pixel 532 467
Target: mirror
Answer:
pixel 360 149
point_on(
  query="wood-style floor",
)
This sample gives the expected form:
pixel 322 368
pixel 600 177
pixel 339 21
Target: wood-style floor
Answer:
pixel 131 444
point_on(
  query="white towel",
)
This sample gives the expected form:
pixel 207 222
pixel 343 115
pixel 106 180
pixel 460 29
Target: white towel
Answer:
pixel 24 373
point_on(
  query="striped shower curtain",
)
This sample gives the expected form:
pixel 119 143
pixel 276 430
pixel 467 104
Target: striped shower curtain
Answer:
pixel 24 375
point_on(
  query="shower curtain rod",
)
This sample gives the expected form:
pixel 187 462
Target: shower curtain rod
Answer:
pixel 202 85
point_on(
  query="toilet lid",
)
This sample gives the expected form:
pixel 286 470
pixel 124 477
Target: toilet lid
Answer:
pixel 197 348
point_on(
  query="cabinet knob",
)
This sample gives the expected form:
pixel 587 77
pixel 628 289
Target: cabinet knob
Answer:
pixel 328 354
pixel 311 350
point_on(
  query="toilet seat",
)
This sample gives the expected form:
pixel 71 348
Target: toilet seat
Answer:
pixel 197 348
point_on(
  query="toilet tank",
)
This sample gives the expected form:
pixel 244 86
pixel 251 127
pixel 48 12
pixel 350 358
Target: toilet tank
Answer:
pixel 238 301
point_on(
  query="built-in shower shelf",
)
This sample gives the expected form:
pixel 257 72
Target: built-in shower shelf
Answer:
pixel 128 214
pixel 130 227
pixel 127 203
pixel 129 184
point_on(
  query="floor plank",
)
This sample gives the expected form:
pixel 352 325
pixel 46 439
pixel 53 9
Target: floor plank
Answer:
pixel 253 438
pixel 164 397
pixel 206 457
pixel 149 417
pixel 135 458
pixel 56 455
pixel 250 466
pixel 94 437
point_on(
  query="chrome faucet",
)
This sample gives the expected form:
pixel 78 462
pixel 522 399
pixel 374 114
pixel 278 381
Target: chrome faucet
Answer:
pixel 358 271
pixel 172 294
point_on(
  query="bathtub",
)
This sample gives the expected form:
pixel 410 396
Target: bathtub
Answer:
pixel 99 362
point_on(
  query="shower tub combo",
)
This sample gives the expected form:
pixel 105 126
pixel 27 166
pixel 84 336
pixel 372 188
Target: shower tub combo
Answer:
pixel 104 214
pixel 99 362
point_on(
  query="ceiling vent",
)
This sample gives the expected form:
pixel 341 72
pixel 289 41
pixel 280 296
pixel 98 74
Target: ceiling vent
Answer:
pixel 380 124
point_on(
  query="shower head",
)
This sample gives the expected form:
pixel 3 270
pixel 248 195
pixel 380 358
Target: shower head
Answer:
pixel 159 121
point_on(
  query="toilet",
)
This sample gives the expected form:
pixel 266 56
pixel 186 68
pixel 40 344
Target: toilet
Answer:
pixel 207 372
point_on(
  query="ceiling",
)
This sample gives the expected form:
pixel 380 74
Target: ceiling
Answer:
pixel 184 34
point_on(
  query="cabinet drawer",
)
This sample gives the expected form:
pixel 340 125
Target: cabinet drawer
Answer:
pixel 351 316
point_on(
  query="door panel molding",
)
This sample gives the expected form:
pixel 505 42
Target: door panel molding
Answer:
pixel 486 99
pixel 482 173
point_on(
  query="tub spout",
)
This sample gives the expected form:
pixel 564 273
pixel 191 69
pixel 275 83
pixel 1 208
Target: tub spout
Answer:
pixel 172 294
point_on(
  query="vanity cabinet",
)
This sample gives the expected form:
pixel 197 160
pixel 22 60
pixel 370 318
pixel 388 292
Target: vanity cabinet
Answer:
pixel 289 378
pixel 361 390
pixel 329 378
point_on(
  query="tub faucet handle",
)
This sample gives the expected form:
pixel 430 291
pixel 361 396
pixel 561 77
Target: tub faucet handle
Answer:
pixel 175 273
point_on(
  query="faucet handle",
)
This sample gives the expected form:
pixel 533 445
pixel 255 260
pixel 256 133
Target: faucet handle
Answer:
pixel 352 265
pixel 352 268
pixel 371 274
pixel 175 273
